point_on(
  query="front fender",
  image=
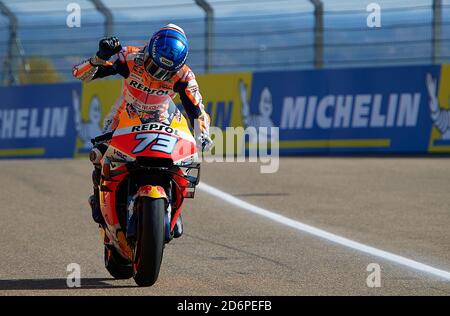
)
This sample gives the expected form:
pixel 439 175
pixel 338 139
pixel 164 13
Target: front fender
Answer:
pixel 152 191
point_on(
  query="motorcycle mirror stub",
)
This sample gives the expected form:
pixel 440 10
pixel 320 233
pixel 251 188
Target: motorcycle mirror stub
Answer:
pixel 95 156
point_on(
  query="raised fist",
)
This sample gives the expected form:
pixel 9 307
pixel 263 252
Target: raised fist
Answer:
pixel 108 47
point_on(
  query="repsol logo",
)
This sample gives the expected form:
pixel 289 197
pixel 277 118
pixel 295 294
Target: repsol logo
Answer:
pixel 141 87
pixel 154 127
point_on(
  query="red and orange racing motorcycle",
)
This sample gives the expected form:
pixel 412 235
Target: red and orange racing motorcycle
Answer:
pixel 146 173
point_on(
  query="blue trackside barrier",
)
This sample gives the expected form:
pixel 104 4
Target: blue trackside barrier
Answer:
pixel 37 121
pixel 390 110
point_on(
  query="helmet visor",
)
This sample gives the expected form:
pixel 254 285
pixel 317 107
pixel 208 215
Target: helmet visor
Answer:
pixel 157 72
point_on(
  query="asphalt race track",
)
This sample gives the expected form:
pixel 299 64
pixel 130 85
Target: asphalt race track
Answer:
pixel 401 206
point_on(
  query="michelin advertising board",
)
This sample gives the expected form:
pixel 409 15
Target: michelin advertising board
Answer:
pixel 373 110
pixel 37 121
pixel 391 110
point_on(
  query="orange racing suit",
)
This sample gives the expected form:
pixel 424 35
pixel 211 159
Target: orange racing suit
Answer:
pixel 142 94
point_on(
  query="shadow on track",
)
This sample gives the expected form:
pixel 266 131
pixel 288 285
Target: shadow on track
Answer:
pixel 58 284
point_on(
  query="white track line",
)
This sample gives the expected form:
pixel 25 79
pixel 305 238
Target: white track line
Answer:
pixel 321 233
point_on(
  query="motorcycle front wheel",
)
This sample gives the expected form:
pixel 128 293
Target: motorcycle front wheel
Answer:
pixel 149 245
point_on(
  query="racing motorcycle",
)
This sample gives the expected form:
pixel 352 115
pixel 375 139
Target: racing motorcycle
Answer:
pixel 147 171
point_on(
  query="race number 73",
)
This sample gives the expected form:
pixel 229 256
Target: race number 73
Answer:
pixel 157 142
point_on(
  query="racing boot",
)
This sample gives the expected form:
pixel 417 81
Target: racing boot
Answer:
pixel 178 229
pixel 97 215
pixel 94 200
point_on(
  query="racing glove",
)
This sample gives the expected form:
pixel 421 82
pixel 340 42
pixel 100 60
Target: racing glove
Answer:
pixel 202 138
pixel 107 47
pixel 204 141
pixel 87 69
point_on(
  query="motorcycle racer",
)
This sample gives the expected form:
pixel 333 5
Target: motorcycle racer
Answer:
pixel 152 74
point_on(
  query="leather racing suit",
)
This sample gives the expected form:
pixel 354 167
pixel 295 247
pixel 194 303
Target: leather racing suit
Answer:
pixel 142 95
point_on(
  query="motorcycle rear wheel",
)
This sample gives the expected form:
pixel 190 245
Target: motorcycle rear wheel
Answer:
pixel 150 241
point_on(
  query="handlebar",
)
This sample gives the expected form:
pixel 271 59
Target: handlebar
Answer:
pixel 102 138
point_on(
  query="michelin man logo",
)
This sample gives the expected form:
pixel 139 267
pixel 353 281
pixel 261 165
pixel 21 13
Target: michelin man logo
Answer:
pixel 263 119
pixel 440 116
pixel 87 129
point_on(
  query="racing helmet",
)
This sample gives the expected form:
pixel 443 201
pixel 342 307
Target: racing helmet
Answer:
pixel 166 53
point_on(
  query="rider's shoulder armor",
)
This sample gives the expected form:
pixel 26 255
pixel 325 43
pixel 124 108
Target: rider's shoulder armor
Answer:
pixel 128 54
pixel 185 74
